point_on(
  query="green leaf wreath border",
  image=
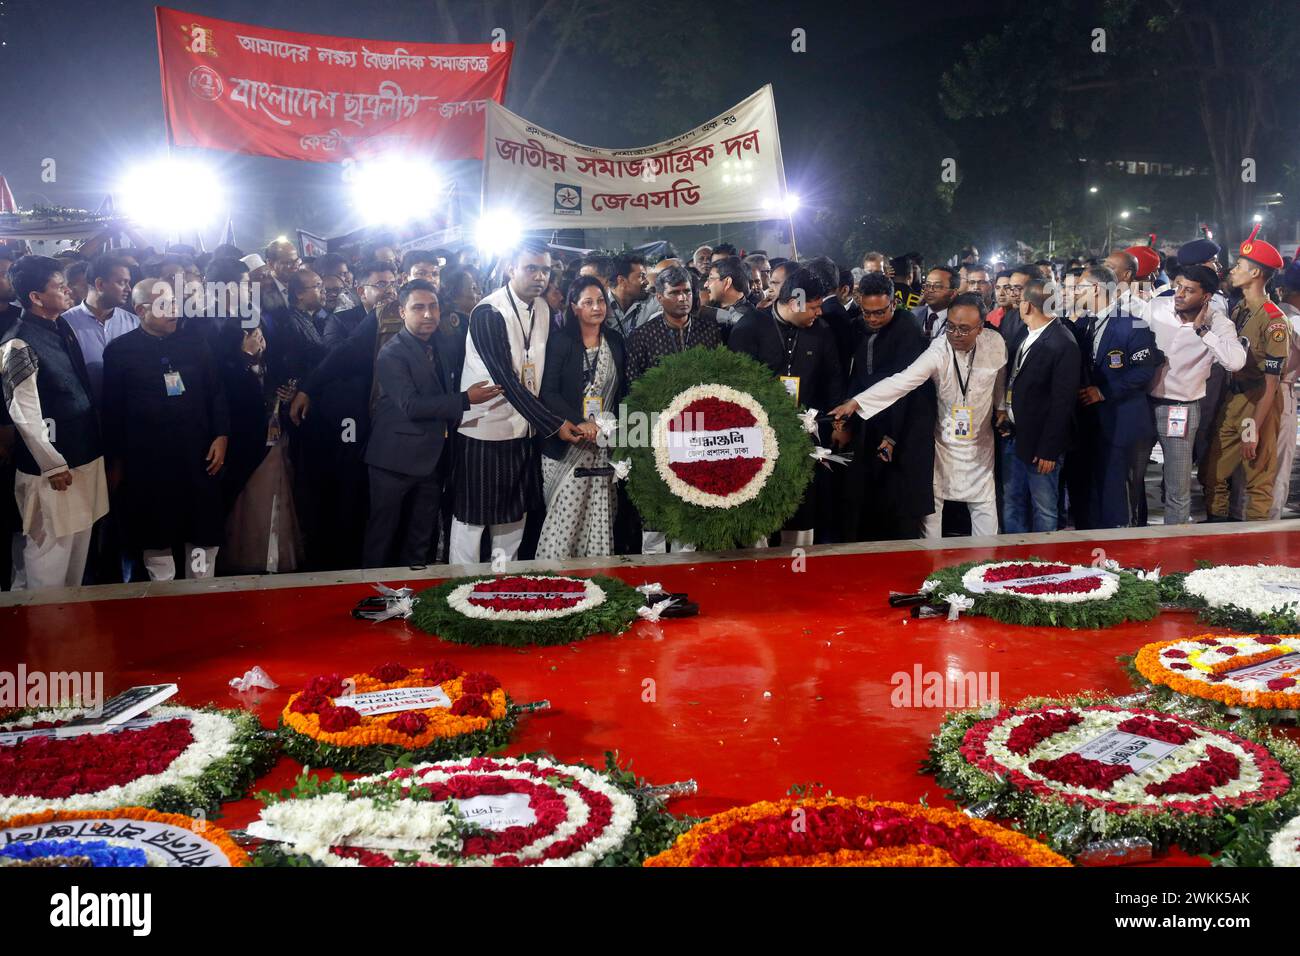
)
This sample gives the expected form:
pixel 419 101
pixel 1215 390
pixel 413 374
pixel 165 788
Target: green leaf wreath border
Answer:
pixel 1136 600
pixel 614 615
pixel 717 529
pixel 1065 826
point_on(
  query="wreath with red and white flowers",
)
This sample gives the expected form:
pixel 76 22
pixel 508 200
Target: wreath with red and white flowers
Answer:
pixel 738 447
pixel 1046 593
pixel 528 811
pixel 1254 598
pixel 365 721
pixel 1071 769
pixel 1255 675
pixel 523 609
pixel 724 460
pixel 177 759
pixel 833 831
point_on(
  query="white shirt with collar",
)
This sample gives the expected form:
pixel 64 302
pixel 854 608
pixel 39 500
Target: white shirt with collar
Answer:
pixel 1189 357
pixel 940 322
pixel 1021 354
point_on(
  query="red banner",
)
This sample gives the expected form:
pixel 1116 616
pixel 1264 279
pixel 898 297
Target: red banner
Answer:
pixel 269 92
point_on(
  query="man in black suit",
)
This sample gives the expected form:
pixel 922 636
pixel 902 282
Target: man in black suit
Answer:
pixel 1037 412
pixel 419 403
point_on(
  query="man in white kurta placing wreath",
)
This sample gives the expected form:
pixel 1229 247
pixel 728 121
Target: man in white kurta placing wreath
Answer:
pixel 967 364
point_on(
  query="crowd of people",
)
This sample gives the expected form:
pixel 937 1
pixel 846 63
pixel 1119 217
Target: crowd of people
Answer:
pixel 183 415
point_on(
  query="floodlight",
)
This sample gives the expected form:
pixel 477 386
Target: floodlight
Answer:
pixel 499 231
pixel 172 193
pixel 394 189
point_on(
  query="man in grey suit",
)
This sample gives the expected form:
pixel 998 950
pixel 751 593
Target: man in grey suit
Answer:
pixel 419 402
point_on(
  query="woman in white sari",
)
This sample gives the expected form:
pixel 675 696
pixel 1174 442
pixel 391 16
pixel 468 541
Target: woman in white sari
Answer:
pixel 584 377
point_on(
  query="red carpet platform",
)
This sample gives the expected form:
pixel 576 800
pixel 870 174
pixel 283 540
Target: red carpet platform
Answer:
pixel 783 679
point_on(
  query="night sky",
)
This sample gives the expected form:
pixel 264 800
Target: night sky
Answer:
pixel 83 88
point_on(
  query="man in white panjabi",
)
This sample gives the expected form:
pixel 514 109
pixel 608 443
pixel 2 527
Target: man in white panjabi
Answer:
pixel 60 487
pixel 968 366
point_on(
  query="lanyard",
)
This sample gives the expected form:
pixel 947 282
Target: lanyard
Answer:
pixel 532 321
pixel 794 342
pixel 589 370
pixel 1020 360
pixel 871 352
pixel 1098 330
pixel 970 362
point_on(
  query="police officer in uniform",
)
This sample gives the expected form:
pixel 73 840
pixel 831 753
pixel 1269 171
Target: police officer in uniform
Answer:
pixel 1246 432
pixel 1116 424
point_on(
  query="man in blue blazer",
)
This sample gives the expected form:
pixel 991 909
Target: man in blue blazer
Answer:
pixel 1121 358
pixel 419 403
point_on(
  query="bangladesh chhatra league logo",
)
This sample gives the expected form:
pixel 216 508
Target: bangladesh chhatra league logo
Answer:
pixel 568 200
pixel 205 83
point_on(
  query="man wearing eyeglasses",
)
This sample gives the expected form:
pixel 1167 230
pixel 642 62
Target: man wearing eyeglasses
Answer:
pixel 887 489
pixel 1117 428
pixel 937 292
pixel 979 279
pixel 1013 322
pixel 378 286
pixel 967 366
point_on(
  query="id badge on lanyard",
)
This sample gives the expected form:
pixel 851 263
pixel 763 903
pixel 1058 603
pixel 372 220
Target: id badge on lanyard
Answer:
pixel 528 376
pixel 592 405
pixel 174 384
pixel 791 385
pixel 1177 421
pixel 963 422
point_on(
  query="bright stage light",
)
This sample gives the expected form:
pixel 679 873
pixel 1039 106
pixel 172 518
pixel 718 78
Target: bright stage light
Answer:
pixel 1124 214
pixel 785 206
pixel 1258 218
pixel 392 189
pixel 172 193
pixel 499 231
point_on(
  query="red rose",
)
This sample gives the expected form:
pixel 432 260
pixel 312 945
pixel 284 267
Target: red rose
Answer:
pixel 471 706
pixel 410 722
pixel 309 703
pixel 388 673
pixel 1174 652
pixel 1281 683
pixel 1024 570
pixel 336 719
pixel 480 682
pixel 441 670
pixel 330 685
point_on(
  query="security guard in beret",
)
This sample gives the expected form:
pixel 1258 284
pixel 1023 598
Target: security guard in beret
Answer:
pixel 1246 432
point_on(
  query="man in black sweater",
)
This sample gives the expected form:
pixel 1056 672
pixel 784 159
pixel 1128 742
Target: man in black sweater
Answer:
pixel 791 340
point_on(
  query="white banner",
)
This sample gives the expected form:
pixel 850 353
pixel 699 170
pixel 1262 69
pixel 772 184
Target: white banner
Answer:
pixel 727 170
pixel 715 445
pixel 394 699
pixel 1117 747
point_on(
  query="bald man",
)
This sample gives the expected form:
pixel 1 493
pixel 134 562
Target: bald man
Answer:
pixel 165 428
